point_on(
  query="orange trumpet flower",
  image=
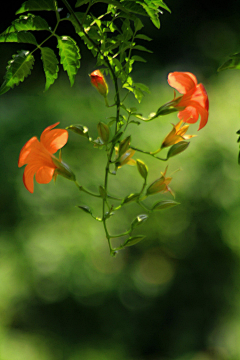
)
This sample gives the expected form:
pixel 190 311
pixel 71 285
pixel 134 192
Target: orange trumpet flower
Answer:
pixel 39 158
pixel 176 135
pixel 194 101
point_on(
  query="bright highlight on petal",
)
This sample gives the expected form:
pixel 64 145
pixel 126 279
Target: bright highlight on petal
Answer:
pixel 193 102
pixel 38 156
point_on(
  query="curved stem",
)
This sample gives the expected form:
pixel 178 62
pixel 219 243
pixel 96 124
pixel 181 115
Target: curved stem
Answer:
pixel 149 153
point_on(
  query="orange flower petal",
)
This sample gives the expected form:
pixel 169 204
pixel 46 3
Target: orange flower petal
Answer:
pixel 44 175
pixel 54 140
pixel 182 81
pixel 24 153
pixel 28 175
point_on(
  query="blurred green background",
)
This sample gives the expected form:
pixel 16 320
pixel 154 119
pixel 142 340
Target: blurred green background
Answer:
pixel 175 296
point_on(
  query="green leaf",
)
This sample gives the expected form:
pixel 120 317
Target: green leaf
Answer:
pixel 17 70
pixel 138 24
pixel 132 240
pixel 50 66
pixel 20 37
pixel 177 148
pixel 27 22
pixel 166 204
pixel 141 48
pixel 232 63
pixel 138 94
pixel 143 37
pixel 69 55
pixel 79 129
pixel 138 58
pixel 142 169
pixel 142 87
pixel 32 5
pixel 153 14
pixel 86 209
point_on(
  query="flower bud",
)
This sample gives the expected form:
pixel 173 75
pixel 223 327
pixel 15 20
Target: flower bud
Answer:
pixel 103 132
pixel 98 81
pixel 63 169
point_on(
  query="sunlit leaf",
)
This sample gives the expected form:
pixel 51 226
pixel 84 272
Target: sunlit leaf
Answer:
pixel 32 5
pixel 69 56
pixel 17 70
pixel 27 22
pixel 50 66
pixel 20 37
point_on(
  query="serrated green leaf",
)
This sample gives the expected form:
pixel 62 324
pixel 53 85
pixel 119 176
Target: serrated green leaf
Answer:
pixel 153 14
pixel 70 55
pixel 138 24
pixel 134 240
pixel 17 70
pixel 232 63
pixel 27 22
pixel 160 3
pixel 50 66
pixel 166 204
pixel 20 37
pixel 32 5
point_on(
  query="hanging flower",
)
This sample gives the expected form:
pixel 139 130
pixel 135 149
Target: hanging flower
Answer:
pixel 160 185
pixel 125 158
pixel 193 102
pixel 99 82
pixel 39 158
pixel 176 135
